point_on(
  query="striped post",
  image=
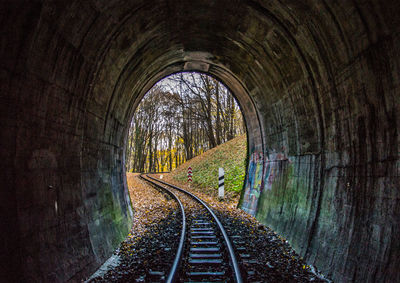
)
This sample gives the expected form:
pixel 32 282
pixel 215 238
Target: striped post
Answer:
pixel 189 174
pixel 221 183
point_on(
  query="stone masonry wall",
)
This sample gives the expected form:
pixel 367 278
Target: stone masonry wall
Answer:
pixel 338 205
pixel 318 82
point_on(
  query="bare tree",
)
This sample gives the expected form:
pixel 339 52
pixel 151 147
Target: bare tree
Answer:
pixel 179 118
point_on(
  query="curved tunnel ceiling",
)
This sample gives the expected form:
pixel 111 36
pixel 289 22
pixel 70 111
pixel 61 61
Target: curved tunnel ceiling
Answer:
pixel 267 49
pixel 318 83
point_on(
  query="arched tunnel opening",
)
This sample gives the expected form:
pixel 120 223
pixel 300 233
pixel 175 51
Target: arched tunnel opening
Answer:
pixel 318 82
pixel 180 117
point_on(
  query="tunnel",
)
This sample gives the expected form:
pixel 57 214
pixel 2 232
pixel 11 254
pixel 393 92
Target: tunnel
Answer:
pixel 318 84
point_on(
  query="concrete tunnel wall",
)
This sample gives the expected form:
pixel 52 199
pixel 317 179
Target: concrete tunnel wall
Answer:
pixel 318 82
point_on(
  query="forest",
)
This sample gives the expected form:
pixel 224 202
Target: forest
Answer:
pixel 181 117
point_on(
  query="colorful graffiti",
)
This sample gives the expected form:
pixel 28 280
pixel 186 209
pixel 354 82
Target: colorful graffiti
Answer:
pixel 253 183
pixel 272 168
pixel 262 173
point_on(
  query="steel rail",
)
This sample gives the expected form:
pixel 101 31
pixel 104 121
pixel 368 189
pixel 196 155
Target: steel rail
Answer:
pixel 237 273
pixel 178 257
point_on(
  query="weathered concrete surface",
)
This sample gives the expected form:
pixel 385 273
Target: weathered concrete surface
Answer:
pixel 318 82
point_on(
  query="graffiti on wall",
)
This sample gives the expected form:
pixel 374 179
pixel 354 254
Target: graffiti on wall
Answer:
pixel 262 173
pixel 273 167
pixel 253 183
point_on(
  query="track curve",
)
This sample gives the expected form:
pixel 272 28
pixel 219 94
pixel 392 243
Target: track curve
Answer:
pixel 178 258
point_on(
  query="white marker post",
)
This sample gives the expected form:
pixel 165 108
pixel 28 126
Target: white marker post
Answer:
pixel 221 183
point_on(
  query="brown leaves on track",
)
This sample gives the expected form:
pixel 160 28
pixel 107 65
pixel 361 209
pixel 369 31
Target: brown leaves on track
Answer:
pixel 275 260
pixel 149 205
pixel 151 244
pixel 145 255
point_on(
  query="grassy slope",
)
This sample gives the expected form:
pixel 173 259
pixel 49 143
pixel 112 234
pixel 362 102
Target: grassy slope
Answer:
pixel 231 156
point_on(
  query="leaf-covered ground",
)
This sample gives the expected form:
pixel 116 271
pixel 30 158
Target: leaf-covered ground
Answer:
pixel 231 156
pixel 148 251
pixel 267 256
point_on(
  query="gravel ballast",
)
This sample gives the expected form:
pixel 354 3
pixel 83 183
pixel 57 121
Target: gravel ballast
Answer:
pixel 148 252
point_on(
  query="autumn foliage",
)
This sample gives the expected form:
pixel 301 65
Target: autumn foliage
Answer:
pixel 181 117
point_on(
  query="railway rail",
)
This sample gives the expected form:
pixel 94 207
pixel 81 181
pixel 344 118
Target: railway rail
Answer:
pixel 205 251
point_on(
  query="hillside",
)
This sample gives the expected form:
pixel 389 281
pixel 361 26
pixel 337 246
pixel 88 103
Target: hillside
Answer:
pixel 231 156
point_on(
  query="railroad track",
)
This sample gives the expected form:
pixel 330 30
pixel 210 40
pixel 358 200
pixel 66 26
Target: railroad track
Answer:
pixel 204 251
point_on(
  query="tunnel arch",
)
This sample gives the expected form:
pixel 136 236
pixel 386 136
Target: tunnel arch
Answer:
pixel 231 83
pixel 321 80
pixel 235 88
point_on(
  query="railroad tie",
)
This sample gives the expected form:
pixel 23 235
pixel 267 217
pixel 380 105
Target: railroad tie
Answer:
pixel 205 257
